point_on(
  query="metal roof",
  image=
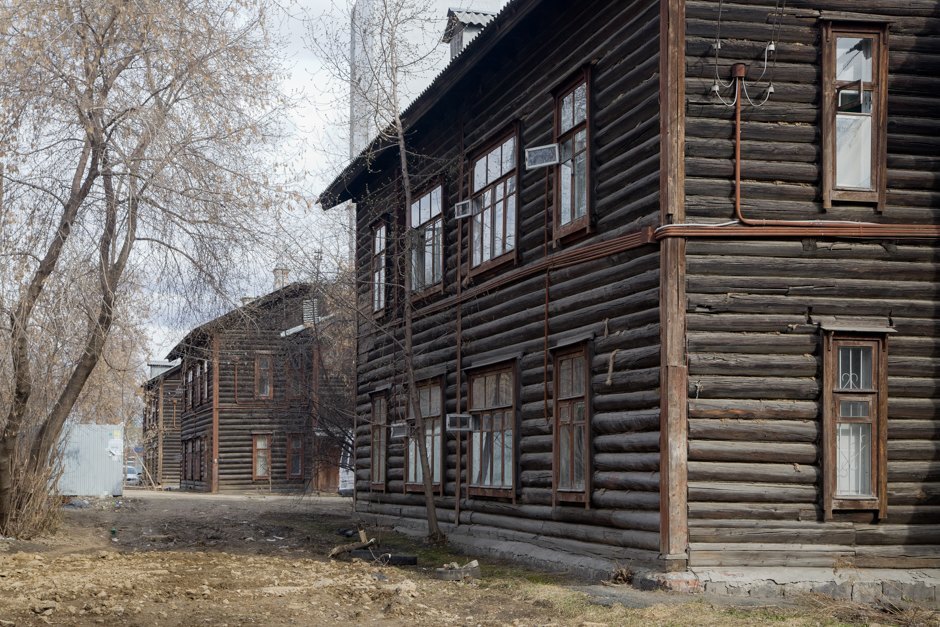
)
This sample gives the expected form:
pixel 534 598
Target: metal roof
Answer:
pixel 495 31
pixel 467 18
pixel 247 309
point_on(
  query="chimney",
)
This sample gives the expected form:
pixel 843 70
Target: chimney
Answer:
pixel 280 277
pixel 462 27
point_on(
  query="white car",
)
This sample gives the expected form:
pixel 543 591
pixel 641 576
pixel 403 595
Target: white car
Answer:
pixel 132 477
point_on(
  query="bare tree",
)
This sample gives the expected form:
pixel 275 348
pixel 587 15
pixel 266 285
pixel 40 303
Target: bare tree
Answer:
pixel 133 135
pixel 395 49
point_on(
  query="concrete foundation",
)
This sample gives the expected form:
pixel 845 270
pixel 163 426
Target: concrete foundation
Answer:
pixel 870 586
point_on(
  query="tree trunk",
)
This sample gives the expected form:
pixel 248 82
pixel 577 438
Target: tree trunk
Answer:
pixel 435 535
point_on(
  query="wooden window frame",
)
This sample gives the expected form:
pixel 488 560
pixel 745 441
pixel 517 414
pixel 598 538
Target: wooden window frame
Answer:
pixel 510 410
pixel 378 261
pixel 580 225
pixel 418 486
pixel 378 431
pixel 189 403
pixel 258 369
pixel 413 230
pixel 254 455
pixel 509 256
pixel 568 495
pixel 204 459
pixel 291 438
pixel 296 375
pixel 879 86
pixel 205 380
pixel 878 403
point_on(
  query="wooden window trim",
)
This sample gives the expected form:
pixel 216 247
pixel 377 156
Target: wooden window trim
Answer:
pixel 510 256
pixel 879 32
pixel 291 438
pixel 375 259
pixel 378 457
pixel 254 455
pixel 419 487
pixel 296 376
pixel 474 375
pixel 583 495
pixel 438 286
pixel 582 225
pixel 878 398
pixel 270 359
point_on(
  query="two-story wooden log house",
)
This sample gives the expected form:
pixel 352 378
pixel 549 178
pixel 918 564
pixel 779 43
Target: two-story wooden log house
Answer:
pixel 249 382
pixel 163 404
pixel 702 325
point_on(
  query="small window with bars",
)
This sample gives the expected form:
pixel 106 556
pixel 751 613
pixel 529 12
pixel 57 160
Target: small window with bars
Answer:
pixel 855 423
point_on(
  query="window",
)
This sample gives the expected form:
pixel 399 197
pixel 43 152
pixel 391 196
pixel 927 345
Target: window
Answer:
pixel 187 457
pixel 493 226
pixel 296 374
pixel 378 268
pixel 205 380
pixel 855 423
pixel 197 460
pixel 491 440
pixel 429 402
pixel 204 459
pixel 855 75
pixel 264 374
pixel 189 388
pixel 427 243
pixel 295 456
pixel 198 393
pixel 572 427
pixel 261 456
pixel 571 135
pixel 379 443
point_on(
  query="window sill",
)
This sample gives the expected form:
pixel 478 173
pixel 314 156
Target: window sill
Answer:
pixel 855 503
pixel 571 497
pixel 492 265
pixel 490 492
pixel 854 195
pixel 419 487
pixel 377 487
pixel 420 295
pixel 573 232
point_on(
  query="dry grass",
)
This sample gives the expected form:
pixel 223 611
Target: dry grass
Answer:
pixel 37 508
pixel 882 613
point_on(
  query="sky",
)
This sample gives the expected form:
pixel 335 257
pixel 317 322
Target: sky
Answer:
pixel 317 139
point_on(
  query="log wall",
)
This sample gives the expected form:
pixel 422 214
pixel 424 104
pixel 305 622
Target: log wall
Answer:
pixel 161 434
pixel 240 414
pixel 755 305
pixel 505 313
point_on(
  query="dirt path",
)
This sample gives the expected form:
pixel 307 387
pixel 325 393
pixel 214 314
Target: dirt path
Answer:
pixel 182 559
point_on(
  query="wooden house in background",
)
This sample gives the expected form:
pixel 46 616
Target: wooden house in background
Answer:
pixel 700 325
pixel 163 404
pixel 249 381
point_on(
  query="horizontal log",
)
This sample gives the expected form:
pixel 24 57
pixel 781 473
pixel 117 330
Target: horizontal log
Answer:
pixel 751 472
pixel 751 492
pixel 773 452
pixel 758 430
pixel 753 409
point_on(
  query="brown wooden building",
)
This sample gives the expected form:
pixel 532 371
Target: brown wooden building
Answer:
pixel 163 404
pixel 249 381
pixel 708 333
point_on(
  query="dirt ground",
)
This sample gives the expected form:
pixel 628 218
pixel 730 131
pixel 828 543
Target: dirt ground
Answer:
pixel 169 558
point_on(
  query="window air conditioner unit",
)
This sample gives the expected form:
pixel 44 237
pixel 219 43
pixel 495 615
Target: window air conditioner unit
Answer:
pixel 542 156
pixel 459 422
pixel 463 209
pixel 398 430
